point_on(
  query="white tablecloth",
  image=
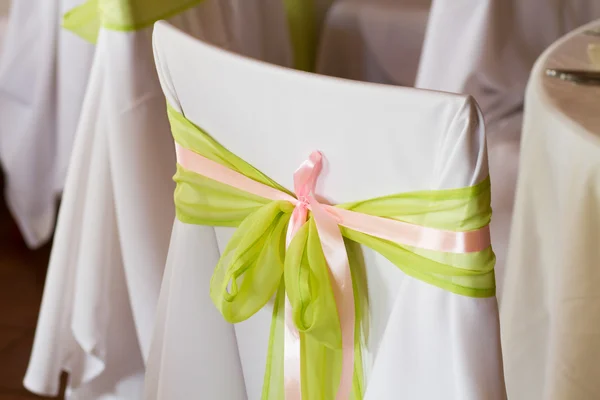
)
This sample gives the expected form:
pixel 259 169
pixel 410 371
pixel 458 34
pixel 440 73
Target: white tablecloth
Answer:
pixel 550 309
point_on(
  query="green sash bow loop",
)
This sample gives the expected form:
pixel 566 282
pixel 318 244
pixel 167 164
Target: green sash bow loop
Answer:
pixel 309 289
pixel 250 269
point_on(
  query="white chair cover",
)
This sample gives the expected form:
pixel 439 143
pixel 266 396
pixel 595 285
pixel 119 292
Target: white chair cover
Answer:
pixel 245 104
pixel 374 40
pixel 43 75
pixel 113 230
pixel 74 62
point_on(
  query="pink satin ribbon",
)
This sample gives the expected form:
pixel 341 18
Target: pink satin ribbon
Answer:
pixel 305 179
pixel 327 219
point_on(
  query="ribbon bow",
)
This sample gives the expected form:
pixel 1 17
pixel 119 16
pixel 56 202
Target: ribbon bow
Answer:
pixel 334 251
pixel 334 325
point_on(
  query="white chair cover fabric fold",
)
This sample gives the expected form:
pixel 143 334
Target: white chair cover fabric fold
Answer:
pixel 85 321
pixel 43 75
pixel 74 62
pixel 454 339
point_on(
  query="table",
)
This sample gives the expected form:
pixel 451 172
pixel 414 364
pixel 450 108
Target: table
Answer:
pixel 550 309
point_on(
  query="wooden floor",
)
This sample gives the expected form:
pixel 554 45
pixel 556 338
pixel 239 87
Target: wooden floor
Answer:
pixel 22 275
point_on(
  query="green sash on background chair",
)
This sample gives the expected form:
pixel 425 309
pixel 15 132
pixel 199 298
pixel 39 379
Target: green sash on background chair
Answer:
pixel 131 15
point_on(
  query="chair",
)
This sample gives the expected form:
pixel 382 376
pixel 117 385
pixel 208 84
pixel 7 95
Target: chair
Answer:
pixel 424 342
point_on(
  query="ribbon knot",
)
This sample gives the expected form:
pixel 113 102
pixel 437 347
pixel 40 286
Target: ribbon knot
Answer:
pixel 303 201
pixel 305 180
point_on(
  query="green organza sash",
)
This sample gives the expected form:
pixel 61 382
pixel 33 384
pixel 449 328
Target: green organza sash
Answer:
pixel 131 15
pixel 255 268
pixel 121 15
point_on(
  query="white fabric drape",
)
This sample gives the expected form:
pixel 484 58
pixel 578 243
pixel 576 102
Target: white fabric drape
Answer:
pixel 113 231
pixel 550 308
pixel 73 64
pixel 373 40
pixel 425 342
pixel 43 75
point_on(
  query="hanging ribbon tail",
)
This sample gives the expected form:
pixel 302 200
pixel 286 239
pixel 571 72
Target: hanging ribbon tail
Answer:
pixel 334 250
pixel 291 338
pixel 335 254
pixel 304 181
pixel 84 21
